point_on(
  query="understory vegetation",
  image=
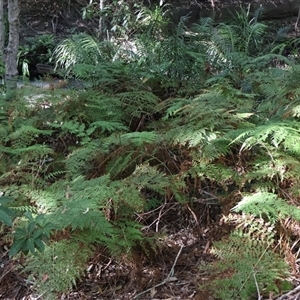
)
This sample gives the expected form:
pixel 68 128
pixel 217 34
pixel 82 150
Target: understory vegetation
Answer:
pixel 208 114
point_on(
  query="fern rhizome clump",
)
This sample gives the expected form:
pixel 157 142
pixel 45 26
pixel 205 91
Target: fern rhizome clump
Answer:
pixel 206 117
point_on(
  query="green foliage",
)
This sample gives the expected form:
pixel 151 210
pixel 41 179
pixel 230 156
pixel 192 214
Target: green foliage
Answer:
pixel 31 236
pixel 123 18
pixel 82 49
pixel 58 267
pixel 243 34
pixel 247 266
pixel 267 205
pixel 127 235
pixel 36 50
pixel 6 214
pixel 171 59
pixel 207 111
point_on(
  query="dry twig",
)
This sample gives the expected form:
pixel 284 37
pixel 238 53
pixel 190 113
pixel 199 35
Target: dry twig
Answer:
pixel 169 277
pixel 291 294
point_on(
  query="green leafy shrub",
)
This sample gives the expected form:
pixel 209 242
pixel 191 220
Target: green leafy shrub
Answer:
pixel 31 236
pixel 82 49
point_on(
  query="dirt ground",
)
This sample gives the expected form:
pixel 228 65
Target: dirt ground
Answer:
pixel 173 271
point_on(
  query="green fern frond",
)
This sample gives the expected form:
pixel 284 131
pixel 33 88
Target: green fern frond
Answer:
pixel 208 116
pixel 127 234
pixel 33 152
pixel 62 262
pixel 266 59
pixel 137 103
pixel 23 209
pixel 138 139
pixel 149 177
pixel 95 75
pixel 79 49
pixel 78 161
pixel 26 134
pixel 176 107
pixel 275 134
pixel 106 126
pixel 91 220
pixel 215 172
pixel 101 106
pixel 264 204
pixel 245 266
pixel 124 163
pixel 53 175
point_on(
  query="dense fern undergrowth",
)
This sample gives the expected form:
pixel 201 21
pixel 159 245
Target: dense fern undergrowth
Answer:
pixel 212 110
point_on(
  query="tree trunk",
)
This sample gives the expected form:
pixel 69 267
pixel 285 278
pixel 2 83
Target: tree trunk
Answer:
pixel 2 28
pixel 101 20
pixel 2 37
pixel 11 51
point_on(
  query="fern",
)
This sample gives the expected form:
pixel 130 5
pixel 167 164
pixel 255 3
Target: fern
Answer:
pixel 25 135
pixel 57 269
pixel 249 263
pixel 80 49
pixel 126 236
pixel 101 107
pixel 91 196
pixel 149 177
pixel 209 115
pixel 106 126
pixel 138 138
pixel 139 102
pixel 157 123
pixel 122 163
pixel 267 205
pixel 273 133
pixel 78 161
pixel 247 266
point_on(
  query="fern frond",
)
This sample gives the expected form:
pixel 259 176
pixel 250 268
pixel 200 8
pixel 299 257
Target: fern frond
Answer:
pixel 53 175
pixel 149 177
pixel 63 262
pixel 25 135
pixel 106 126
pixel 249 265
pixel 275 134
pixel 122 166
pixel 264 204
pixel 214 172
pixel 79 49
pixel 137 103
pixel 138 139
pixel 78 161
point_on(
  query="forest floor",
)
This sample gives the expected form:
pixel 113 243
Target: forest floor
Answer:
pixel 176 269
